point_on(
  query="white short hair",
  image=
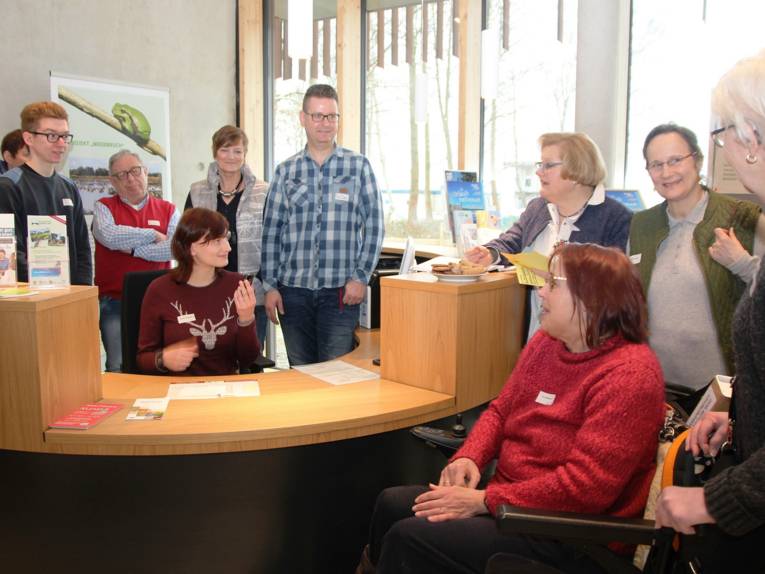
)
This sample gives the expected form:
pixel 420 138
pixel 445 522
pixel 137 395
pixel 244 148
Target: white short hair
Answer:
pixel 739 98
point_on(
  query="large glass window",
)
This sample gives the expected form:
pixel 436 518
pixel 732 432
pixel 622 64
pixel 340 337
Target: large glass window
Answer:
pixel 291 78
pixel 409 146
pixel 679 51
pixel 536 91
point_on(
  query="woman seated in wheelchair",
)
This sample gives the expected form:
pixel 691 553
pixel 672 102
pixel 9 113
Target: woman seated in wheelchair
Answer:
pixel 198 319
pixel 574 429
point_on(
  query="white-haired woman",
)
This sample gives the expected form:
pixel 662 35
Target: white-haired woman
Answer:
pixel 735 498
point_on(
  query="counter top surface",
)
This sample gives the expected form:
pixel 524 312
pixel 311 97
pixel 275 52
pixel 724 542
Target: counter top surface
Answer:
pixel 293 409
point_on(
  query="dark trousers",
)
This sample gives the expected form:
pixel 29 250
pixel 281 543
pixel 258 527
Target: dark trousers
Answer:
pixel 403 544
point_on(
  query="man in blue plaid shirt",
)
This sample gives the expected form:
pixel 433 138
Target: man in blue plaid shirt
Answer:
pixel 322 234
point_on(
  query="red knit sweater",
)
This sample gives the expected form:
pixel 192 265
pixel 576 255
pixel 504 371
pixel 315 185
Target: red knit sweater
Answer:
pixel 223 345
pixel 593 448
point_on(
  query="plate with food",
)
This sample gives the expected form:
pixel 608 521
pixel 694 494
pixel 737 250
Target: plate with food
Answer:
pixel 460 272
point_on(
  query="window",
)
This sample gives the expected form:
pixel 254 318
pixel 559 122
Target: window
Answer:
pixel 409 151
pixel 291 78
pixel 536 91
pixel 679 51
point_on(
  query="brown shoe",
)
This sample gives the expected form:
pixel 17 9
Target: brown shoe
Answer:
pixel 365 564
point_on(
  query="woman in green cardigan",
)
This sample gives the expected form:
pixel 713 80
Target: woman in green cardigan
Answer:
pixel 694 253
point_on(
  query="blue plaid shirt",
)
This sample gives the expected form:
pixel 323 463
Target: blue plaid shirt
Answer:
pixel 322 225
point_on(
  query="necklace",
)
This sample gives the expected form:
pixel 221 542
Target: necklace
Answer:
pixel 233 192
pixel 578 211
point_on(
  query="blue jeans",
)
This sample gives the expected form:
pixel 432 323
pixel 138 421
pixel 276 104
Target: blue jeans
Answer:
pixel 316 324
pixel 110 321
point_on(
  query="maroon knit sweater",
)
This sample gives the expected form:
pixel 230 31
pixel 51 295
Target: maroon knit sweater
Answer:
pixel 223 345
pixel 593 449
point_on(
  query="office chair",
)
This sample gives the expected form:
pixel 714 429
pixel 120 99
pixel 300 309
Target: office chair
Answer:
pixel 134 288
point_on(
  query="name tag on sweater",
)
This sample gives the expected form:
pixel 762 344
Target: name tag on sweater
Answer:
pixel 635 259
pixel 544 398
pixel 154 222
pixel 67 202
pixel 188 318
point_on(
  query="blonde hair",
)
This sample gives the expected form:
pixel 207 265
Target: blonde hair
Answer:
pixel 739 98
pixel 582 161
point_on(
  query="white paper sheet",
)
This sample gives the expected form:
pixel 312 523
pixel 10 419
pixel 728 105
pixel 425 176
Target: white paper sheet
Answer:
pixel 213 390
pixel 337 372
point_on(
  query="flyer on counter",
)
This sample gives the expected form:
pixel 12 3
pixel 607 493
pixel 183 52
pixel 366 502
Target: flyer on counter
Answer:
pixel 148 409
pixel 47 251
pixel 7 250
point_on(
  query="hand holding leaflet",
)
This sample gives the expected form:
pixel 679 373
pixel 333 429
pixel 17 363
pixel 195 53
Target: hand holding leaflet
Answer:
pixel 530 267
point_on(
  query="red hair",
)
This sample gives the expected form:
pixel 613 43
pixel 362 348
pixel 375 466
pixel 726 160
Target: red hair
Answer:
pixel 604 282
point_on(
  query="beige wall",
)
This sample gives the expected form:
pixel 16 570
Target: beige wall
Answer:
pixel 188 46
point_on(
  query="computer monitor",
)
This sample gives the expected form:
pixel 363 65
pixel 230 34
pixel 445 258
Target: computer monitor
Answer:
pixel 630 198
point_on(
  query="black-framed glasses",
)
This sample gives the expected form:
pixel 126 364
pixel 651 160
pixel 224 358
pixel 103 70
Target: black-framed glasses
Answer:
pixel 318 117
pixel 657 166
pixel 53 137
pixel 135 171
pixel 718 135
pixel 547 165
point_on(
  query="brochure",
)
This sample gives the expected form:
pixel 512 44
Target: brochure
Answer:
pixel 47 251
pixel 148 409
pixel 7 250
pixel 87 416
pixel 8 292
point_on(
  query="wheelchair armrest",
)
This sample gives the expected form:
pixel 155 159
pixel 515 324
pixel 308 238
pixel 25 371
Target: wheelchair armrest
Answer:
pixel 569 526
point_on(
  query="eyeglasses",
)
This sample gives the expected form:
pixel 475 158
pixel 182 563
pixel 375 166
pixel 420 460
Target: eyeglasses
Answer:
pixel 317 117
pixel 547 165
pixel 552 281
pixel 657 166
pixel 54 137
pixel 135 171
pixel 718 135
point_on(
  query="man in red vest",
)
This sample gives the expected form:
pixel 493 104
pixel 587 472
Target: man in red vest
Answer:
pixel 133 231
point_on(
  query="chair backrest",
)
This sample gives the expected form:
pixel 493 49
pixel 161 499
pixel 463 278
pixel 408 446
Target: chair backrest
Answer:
pixel 133 289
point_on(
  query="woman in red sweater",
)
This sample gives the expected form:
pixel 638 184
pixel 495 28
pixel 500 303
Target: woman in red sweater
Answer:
pixel 575 429
pixel 199 319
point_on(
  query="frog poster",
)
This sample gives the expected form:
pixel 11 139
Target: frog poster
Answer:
pixel 105 117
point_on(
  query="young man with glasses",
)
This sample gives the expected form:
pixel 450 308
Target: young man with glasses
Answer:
pixel 36 189
pixel 322 234
pixel 133 232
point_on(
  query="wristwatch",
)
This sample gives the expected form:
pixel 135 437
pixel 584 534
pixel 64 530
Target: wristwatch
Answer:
pixel 159 363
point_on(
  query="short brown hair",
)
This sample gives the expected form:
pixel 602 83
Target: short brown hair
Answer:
pixel 33 113
pixel 582 160
pixel 228 135
pixel 12 143
pixel 319 91
pixel 195 224
pixel 606 284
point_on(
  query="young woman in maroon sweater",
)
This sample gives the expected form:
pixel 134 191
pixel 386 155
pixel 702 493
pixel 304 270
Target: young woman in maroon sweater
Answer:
pixel 198 319
pixel 574 429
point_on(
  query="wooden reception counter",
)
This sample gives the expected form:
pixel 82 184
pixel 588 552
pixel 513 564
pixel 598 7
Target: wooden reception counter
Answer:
pixel 445 348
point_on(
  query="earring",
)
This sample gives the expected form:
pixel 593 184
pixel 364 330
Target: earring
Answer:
pixel 751 159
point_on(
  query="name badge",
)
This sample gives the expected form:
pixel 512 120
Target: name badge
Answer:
pixel 342 195
pixel 636 258
pixel 67 202
pixel 154 222
pixel 187 318
pixel 544 398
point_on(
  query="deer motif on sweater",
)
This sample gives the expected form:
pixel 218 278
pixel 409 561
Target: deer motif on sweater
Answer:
pixel 209 334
